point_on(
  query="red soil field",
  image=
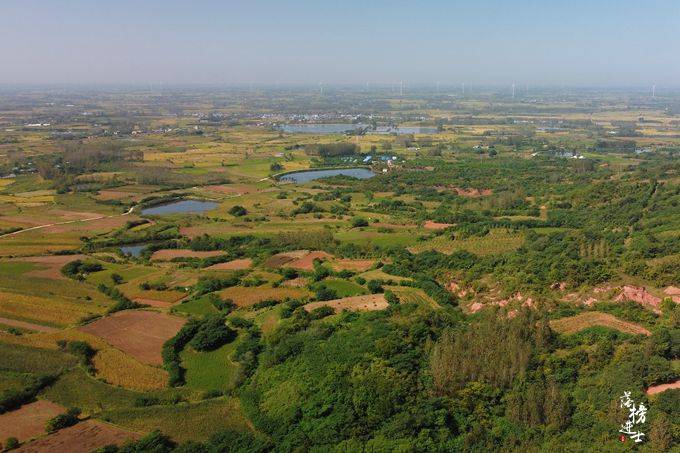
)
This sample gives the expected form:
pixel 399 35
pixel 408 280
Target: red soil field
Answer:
pixel 29 420
pixel 139 333
pixel 233 265
pixel 85 437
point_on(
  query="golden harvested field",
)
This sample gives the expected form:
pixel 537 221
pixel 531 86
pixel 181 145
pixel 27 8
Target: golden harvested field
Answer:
pixel 587 319
pixel 247 296
pixel 117 368
pixel 45 310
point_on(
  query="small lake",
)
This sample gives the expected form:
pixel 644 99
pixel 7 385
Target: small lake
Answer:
pixel 301 177
pixel 133 250
pixel 181 207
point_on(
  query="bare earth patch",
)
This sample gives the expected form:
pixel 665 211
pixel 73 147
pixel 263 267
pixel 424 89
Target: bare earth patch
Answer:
pixel 370 302
pixel 139 333
pixel 306 263
pixel 472 193
pixel 573 324
pixel 169 254
pixel 430 225
pixel 640 295
pixel 29 420
pixel 280 259
pixel 233 265
pixel 84 437
pixel 653 390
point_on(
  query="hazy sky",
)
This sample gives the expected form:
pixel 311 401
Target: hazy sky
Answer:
pixel 576 42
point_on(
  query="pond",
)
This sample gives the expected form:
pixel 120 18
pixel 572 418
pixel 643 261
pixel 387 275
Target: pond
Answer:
pixel 301 177
pixel 181 207
pixel 133 250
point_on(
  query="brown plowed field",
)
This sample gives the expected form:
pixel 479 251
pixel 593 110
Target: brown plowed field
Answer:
pixel 139 333
pixel 29 420
pixel 84 437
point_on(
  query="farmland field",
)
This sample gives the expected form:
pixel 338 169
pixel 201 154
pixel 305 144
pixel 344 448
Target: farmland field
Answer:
pixel 506 270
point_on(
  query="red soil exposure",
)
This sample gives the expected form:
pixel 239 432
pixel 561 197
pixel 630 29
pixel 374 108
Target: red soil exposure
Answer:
pixel 640 295
pixel 472 193
pixel 139 333
pixel 233 265
pixel 29 420
pixel 306 263
pixel 430 225
pixel 456 289
pixel 169 254
pixel 674 293
pixel 475 307
pixel 85 437
pixel 653 390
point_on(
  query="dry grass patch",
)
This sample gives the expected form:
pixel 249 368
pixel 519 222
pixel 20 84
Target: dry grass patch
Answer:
pixel 573 324
pixel 370 302
pixel 247 296
pixel 352 265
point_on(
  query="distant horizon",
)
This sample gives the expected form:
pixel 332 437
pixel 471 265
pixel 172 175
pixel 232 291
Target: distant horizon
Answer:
pixel 487 42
